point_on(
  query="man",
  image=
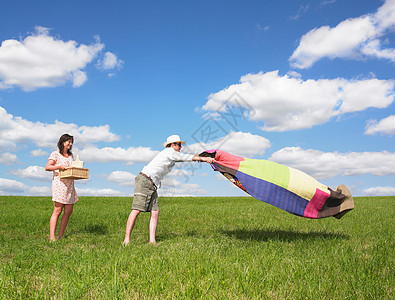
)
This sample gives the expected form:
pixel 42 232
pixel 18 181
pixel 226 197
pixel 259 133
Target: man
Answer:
pixel 145 187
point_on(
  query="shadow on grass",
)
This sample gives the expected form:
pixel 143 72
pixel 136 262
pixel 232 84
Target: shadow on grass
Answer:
pixel 280 235
pixel 174 235
pixel 95 229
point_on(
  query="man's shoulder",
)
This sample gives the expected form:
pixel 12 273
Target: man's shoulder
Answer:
pixel 164 153
pixel 168 150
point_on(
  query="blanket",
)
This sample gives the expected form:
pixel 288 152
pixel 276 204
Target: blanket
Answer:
pixel 284 187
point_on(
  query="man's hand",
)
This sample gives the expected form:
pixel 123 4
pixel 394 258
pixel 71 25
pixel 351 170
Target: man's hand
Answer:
pixel 209 160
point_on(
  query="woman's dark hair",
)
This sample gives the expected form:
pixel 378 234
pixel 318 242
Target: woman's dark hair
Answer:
pixel 65 137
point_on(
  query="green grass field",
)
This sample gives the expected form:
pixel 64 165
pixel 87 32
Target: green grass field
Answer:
pixel 208 248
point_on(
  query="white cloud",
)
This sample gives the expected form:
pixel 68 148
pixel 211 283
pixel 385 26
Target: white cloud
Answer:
pixel 39 152
pixel 172 192
pixel 109 61
pixel 238 143
pixel 15 130
pixel 79 78
pixel 33 172
pixel 352 38
pixel 40 191
pixel 362 94
pixel 93 134
pixel 342 41
pixel 4 144
pixel 178 171
pixel 302 10
pixel 288 103
pixel 8 186
pixel 385 126
pixel 323 165
pixel 108 154
pixel 41 60
pixel 326 2
pixel 170 182
pixel 8 158
pixel 385 16
pixel 122 178
pixel 373 48
pixel 259 27
pixel 183 190
pixel 181 171
pixel 380 191
pixel 100 192
pixel 294 74
pixel 192 188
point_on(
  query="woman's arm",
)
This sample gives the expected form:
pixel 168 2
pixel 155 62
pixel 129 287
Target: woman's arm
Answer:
pixel 51 166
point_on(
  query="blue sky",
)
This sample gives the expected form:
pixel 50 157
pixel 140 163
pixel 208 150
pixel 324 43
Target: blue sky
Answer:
pixel 308 84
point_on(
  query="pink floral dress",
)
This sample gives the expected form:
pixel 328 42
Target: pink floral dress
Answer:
pixel 63 190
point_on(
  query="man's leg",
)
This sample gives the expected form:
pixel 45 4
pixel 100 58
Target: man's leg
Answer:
pixel 153 223
pixel 129 225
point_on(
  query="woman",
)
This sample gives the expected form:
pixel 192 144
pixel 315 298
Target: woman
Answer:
pixel 63 192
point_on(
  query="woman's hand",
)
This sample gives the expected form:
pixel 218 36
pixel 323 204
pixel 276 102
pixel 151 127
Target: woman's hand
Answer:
pixel 62 168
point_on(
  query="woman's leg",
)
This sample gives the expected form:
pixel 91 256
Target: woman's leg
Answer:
pixel 57 210
pixel 68 209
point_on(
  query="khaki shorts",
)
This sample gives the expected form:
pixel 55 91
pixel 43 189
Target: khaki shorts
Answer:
pixel 145 196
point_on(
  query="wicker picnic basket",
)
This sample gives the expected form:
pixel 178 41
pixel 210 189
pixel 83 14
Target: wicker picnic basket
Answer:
pixel 74 173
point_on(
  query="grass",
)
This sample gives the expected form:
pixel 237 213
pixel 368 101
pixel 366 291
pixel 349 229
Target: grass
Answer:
pixel 208 248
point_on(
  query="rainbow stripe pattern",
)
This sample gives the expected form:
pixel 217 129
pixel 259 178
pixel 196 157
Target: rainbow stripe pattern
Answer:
pixel 287 188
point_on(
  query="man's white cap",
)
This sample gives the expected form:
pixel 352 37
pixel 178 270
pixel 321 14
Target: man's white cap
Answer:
pixel 173 139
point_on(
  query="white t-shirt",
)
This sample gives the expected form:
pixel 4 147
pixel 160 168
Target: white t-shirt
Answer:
pixel 162 164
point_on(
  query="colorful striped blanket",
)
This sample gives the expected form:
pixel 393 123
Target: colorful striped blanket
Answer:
pixel 287 188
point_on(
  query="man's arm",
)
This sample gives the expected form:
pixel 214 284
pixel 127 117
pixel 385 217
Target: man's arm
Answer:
pixel 209 160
